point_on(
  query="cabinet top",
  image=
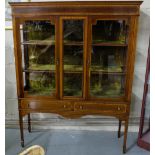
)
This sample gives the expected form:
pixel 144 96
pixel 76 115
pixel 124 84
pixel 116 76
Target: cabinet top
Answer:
pixel 99 7
pixel 81 2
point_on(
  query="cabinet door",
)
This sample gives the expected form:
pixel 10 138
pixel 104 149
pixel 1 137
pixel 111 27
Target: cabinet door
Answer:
pixel 108 56
pixel 72 57
pixel 38 54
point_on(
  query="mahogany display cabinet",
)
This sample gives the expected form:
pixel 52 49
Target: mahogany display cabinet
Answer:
pixel 75 58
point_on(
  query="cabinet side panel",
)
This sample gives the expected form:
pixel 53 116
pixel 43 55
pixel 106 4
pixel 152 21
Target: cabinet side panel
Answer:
pixel 131 55
pixel 18 57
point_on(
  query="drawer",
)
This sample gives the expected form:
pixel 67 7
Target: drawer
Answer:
pixel 46 105
pixel 95 107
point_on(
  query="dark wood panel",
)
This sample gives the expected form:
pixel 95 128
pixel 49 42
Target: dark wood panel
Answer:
pixel 56 105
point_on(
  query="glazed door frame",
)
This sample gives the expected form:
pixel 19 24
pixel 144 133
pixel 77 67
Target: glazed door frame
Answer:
pixel 88 21
pixel 92 20
pixel 18 55
pixel 84 89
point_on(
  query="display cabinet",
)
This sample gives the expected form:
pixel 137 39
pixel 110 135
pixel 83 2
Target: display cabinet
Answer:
pixel 75 58
pixel 144 127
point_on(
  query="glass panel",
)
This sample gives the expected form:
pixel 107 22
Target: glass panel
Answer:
pixel 109 31
pixel 40 84
pixel 73 57
pixel 106 85
pixel 40 57
pixel 73 30
pixel 39 31
pixel 38 53
pixel 72 84
pixel 108 58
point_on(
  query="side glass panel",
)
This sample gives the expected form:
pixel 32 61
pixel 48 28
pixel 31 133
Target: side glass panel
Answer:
pixel 73 57
pixel 108 59
pixel 38 52
pixel 40 83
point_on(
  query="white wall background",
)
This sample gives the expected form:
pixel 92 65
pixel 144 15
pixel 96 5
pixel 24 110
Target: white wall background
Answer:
pixel 139 76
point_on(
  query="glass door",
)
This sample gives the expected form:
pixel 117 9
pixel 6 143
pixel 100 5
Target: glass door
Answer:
pixel 72 57
pixel 108 55
pixel 38 54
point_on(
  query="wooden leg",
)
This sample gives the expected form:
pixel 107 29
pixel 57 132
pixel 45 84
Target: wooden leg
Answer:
pixel 21 128
pixel 125 135
pixel 29 123
pixel 119 129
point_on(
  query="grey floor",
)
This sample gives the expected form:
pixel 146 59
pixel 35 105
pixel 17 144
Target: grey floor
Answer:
pixel 72 142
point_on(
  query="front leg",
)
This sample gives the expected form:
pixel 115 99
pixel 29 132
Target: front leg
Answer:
pixel 119 128
pixel 29 123
pixel 21 128
pixel 125 135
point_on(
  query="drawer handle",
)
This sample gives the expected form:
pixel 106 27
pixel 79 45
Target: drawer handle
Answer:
pixel 64 106
pixel 81 107
pixel 119 108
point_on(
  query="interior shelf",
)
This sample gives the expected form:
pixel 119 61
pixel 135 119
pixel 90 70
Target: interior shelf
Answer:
pixel 109 44
pixel 72 43
pixel 38 42
pixel 75 69
pixel 51 42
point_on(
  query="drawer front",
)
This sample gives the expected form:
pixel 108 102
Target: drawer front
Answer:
pixel 46 105
pixel 96 107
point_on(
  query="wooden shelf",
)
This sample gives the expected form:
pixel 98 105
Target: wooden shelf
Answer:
pixel 37 71
pixel 73 43
pixel 52 42
pixel 73 72
pixel 110 73
pixel 109 44
pixel 39 42
pixel 68 69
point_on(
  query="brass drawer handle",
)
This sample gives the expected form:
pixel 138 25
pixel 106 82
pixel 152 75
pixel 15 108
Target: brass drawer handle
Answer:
pixel 65 106
pixel 81 107
pixel 119 108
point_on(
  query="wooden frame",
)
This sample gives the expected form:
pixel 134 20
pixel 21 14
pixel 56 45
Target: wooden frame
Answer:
pixel 55 22
pixel 74 107
pixel 92 22
pixel 62 18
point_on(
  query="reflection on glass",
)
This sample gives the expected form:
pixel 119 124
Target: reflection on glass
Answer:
pixel 109 31
pixel 108 59
pixel 38 45
pixel 102 85
pixel 38 30
pixel 72 84
pixel 41 57
pixel 40 84
pixel 73 30
pixel 73 57
pixel 108 63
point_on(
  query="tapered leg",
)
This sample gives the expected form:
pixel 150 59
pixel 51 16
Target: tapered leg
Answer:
pixel 21 129
pixel 119 128
pixel 125 135
pixel 29 123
